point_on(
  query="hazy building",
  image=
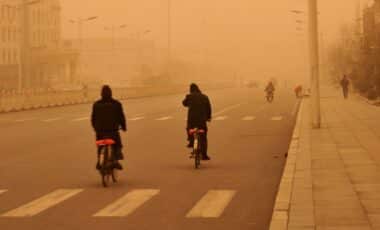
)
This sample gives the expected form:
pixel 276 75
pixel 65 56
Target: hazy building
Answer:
pixel 47 62
pixel 126 61
pixel 51 63
pixel 9 44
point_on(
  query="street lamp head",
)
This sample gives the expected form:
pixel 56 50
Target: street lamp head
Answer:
pixel 91 18
pixel 297 11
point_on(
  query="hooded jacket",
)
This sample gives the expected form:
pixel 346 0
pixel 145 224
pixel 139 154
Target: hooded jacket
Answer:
pixel 107 113
pixel 199 108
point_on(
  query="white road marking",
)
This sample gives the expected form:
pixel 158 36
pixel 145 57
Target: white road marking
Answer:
pixel 23 120
pixel 227 109
pixel 277 118
pixel 128 203
pixel 212 204
pixel 37 206
pixel 140 115
pixel 136 118
pixel 249 118
pixel 2 191
pixel 220 118
pixel 81 119
pixel 164 118
pixel 52 119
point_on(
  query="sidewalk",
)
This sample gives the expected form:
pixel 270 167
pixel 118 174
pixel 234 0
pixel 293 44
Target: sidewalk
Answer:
pixel 332 175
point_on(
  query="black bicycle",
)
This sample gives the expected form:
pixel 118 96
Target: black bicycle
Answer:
pixel 197 151
pixel 107 160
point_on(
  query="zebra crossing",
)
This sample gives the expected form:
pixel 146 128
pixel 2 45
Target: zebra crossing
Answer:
pixel 142 118
pixel 210 205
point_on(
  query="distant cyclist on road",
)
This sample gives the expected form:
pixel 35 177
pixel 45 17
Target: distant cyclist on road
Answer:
pixel 107 118
pixel 198 115
pixel 269 89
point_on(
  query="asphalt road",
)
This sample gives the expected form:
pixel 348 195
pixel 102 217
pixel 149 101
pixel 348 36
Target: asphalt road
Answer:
pixel 48 178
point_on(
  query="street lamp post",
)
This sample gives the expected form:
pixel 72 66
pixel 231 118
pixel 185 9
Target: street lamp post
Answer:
pixel 139 39
pixel 80 22
pixel 113 29
pixel 169 40
pixel 314 64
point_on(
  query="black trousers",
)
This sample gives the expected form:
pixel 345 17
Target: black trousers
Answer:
pixel 345 92
pixel 114 135
pixel 203 140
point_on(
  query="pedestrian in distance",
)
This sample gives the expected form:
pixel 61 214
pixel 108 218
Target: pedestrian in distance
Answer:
pixel 345 83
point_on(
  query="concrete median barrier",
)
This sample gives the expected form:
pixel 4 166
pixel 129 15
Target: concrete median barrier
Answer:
pixel 27 100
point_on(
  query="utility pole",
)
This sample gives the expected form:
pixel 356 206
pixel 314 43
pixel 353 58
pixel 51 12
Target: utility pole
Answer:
pixel 314 65
pixel 80 22
pixel 169 40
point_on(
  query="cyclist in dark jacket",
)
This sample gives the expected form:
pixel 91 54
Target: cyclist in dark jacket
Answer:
pixel 107 118
pixel 198 115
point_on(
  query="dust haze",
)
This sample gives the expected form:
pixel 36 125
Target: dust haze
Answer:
pixel 246 39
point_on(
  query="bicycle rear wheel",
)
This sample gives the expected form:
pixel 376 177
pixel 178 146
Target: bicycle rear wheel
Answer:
pixel 114 175
pixel 104 163
pixel 197 158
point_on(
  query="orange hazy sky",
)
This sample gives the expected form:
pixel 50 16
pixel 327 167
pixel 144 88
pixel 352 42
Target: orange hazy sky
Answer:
pixel 244 30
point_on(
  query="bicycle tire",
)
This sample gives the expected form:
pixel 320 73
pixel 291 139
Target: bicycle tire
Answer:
pixel 104 166
pixel 114 175
pixel 197 158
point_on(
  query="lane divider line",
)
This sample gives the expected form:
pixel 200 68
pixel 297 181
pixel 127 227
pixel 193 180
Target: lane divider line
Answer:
pixel 128 203
pixel 81 119
pixel 164 118
pixel 277 118
pixel 2 191
pixel 52 119
pixel 136 118
pixel 220 118
pixel 37 206
pixel 24 120
pixel 212 205
pixel 249 118
pixel 228 109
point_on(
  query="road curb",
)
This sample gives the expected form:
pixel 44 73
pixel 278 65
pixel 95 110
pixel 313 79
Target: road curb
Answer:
pixel 280 216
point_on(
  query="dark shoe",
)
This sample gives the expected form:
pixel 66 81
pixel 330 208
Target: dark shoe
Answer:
pixel 98 166
pixel 117 165
pixel 206 158
pixel 190 145
pixel 121 156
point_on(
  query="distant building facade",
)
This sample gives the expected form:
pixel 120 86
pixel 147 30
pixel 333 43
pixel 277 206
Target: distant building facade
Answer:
pixel 9 44
pixel 51 62
pixel 48 61
pixel 129 61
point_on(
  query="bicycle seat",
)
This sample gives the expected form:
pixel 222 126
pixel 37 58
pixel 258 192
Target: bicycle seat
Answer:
pixel 105 142
pixel 192 131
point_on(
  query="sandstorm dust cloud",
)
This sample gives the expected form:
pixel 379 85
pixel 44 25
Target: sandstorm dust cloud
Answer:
pixel 209 40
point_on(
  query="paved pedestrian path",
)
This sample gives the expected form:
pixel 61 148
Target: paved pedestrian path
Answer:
pixel 332 176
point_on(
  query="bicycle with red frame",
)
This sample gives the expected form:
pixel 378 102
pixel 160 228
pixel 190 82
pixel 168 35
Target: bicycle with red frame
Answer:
pixel 197 150
pixel 107 160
